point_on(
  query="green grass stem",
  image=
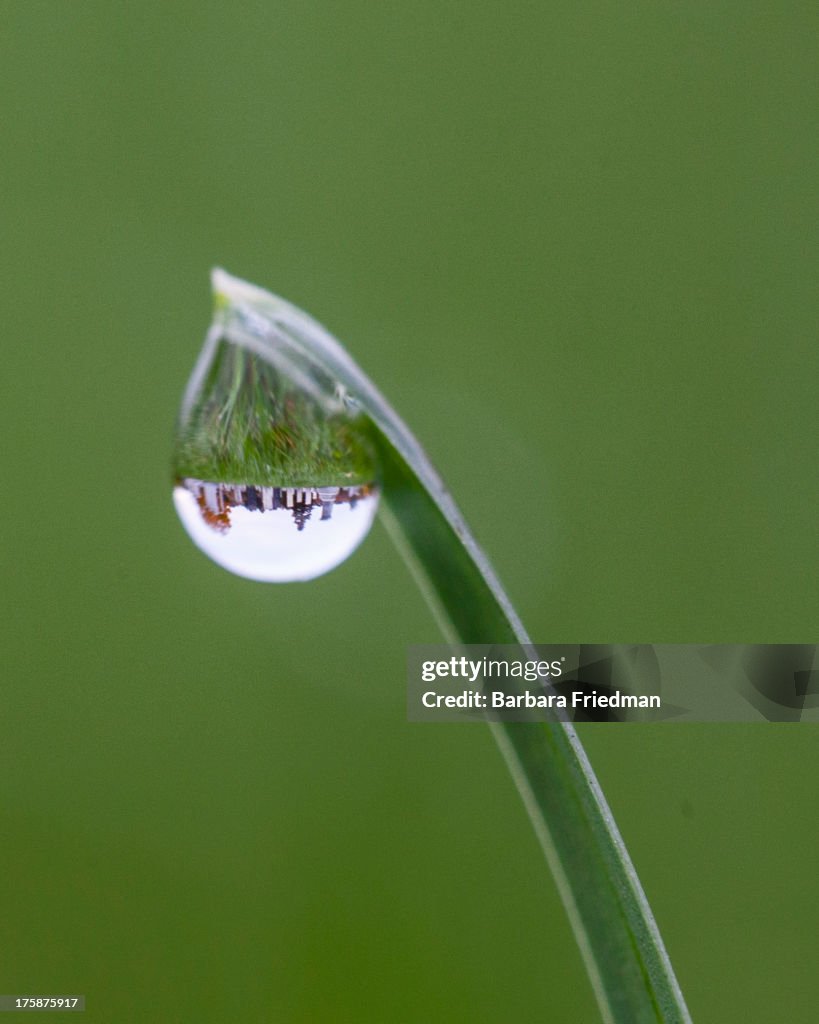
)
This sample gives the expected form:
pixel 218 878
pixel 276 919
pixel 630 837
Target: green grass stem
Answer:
pixel 619 941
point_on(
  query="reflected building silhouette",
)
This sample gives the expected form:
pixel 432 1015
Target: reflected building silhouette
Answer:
pixel 216 500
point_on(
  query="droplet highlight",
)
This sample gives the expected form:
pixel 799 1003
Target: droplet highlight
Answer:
pixel 275 534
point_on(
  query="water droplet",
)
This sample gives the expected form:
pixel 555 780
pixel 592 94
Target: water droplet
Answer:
pixel 274 474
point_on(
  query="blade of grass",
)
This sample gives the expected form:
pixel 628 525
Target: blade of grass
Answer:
pixel 625 958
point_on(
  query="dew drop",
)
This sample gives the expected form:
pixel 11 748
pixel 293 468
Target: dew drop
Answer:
pixel 274 474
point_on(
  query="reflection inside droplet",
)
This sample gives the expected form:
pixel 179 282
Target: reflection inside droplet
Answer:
pixel 275 534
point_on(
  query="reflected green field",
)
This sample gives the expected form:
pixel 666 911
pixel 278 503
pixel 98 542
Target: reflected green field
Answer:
pixel 575 248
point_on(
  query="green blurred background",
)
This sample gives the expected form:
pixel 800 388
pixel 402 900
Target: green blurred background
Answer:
pixel 577 240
